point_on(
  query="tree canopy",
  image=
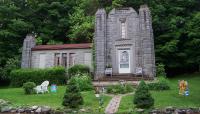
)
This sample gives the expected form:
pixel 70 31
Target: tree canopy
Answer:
pixel 176 26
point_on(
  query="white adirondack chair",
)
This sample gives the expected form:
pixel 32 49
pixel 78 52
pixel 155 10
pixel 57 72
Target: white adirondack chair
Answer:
pixel 43 88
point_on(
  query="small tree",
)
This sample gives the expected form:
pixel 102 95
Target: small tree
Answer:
pixel 160 70
pixel 72 97
pixel 142 98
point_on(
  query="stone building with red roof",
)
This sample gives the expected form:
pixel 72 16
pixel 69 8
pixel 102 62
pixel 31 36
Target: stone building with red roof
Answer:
pixel 45 56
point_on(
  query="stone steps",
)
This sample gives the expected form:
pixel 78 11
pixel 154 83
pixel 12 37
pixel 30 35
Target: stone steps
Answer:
pixel 124 77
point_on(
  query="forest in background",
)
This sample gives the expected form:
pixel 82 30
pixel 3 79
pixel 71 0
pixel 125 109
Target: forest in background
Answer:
pixel 176 25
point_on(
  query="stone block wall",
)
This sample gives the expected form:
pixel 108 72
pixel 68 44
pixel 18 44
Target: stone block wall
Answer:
pixel 50 56
pixel 29 42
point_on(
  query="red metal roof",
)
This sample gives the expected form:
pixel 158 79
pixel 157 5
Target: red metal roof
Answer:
pixel 62 46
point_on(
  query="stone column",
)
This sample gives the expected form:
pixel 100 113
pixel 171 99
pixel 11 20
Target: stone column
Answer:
pixel 29 42
pixel 100 43
pixel 146 31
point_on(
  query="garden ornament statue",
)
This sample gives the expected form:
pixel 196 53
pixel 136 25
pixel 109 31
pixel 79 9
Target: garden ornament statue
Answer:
pixel 183 88
pixel 43 88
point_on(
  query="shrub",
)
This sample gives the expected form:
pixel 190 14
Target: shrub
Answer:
pixel 83 81
pixel 163 84
pixel 54 75
pixel 120 89
pixel 72 97
pixel 76 69
pixel 29 87
pixel 160 70
pixel 142 97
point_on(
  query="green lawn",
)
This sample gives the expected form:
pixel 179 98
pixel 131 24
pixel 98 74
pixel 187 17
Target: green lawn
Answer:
pixel 162 98
pixel 17 97
pixel 171 97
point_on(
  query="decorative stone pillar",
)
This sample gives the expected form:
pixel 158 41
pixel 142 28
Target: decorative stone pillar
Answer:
pixel 100 43
pixel 29 42
pixel 146 34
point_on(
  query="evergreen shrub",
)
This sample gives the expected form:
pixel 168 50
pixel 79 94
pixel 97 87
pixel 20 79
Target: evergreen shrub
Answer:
pixel 29 87
pixel 160 70
pixel 54 75
pixel 72 97
pixel 142 97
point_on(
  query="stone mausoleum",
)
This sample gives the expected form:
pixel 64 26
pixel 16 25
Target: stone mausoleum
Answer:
pixel 123 43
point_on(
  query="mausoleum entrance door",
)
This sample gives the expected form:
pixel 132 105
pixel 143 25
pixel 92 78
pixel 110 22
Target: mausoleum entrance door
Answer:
pixel 124 60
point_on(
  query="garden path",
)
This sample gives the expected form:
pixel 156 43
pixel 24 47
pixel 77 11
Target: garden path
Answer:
pixel 113 105
pixel 115 102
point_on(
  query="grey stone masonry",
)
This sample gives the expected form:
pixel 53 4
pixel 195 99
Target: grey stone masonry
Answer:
pixel 100 36
pixel 123 29
pixel 29 42
pixel 148 58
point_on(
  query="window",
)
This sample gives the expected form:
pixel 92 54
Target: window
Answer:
pixel 72 59
pixel 42 61
pixel 57 59
pixel 123 30
pixel 88 59
pixel 64 60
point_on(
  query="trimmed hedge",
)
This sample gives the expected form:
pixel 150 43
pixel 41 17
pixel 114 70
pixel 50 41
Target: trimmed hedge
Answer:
pixel 54 75
pixel 78 68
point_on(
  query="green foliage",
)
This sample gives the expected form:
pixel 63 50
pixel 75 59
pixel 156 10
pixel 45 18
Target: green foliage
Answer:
pixel 72 97
pixel 117 3
pixel 175 24
pixel 78 69
pixel 162 84
pixel 160 70
pixel 142 97
pixel 29 87
pixel 83 82
pixel 82 21
pixel 11 64
pixel 120 89
pixel 54 75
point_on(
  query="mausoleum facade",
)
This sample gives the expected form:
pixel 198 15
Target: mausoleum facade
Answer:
pixel 124 41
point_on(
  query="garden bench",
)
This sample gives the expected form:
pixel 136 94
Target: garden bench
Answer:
pixel 108 71
pixel 139 71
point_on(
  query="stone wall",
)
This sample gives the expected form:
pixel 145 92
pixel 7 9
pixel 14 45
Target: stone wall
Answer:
pixel 29 42
pixel 100 39
pixel 147 46
pixel 50 54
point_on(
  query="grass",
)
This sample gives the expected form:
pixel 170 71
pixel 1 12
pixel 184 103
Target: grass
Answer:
pixel 162 98
pixel 17 97
pixel 170 97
